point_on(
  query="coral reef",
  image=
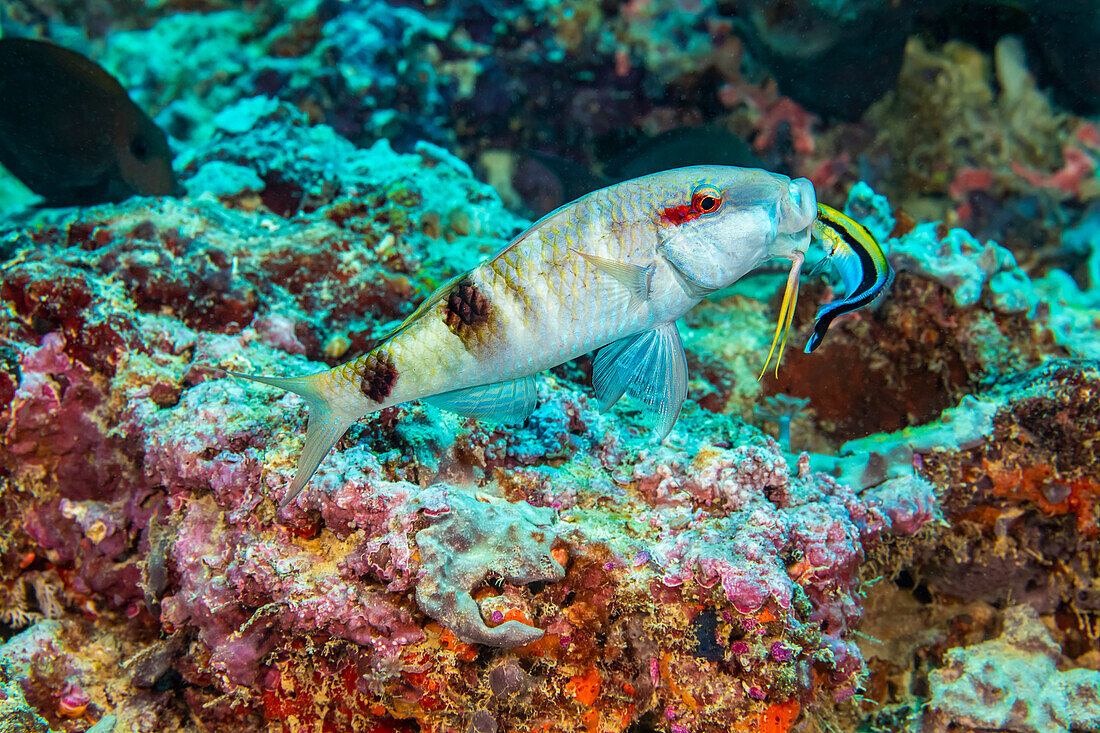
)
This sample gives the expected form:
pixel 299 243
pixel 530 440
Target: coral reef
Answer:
pixel 1025 482
pixel 1018 490
pixel 1014 683
pixel 473 539
pixel 15 713
pixel 929 557
pixel 148 484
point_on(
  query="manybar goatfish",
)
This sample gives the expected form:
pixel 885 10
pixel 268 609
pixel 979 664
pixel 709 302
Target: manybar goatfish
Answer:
pixel 860 261
pixel 611 272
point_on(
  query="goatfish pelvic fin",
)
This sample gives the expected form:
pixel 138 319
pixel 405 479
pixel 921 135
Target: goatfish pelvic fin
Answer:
pixel 860 261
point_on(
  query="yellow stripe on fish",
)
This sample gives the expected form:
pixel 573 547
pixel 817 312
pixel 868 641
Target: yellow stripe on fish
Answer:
pixel 610 272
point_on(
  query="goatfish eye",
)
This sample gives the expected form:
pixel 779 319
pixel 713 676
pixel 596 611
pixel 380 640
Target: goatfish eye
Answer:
pixel 706 199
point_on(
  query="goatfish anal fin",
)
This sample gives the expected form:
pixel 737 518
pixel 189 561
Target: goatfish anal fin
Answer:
pixel 859 260
pixel 786 314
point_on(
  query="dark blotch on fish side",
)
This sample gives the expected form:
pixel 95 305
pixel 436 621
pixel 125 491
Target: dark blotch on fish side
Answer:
pixel 71 134
pixel 379 376
pixel 468 312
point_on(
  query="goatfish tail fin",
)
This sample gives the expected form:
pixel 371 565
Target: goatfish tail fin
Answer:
pixel 860 261
pixel 326 424
pixel 786 314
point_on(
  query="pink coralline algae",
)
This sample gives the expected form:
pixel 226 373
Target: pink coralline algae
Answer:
pixel 52 421
pixel 286 584
pixel 774 541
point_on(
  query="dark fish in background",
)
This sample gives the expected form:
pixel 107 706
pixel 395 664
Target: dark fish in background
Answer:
pixel 671 149
pixel 680 147
pixel 71 134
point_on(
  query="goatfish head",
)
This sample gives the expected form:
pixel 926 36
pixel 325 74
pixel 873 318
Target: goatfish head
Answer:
pixel 863 268
pixel 727 221
pixel 734 220
pixel 860 261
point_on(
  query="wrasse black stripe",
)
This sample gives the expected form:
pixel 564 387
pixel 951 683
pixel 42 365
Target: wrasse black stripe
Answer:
pixel 866 262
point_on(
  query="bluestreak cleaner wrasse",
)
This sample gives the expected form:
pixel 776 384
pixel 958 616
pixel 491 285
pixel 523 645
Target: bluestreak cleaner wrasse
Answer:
pixel 71 133
pixel 858 258
pixel 610 272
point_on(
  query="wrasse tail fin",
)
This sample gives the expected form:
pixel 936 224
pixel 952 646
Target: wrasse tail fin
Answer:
pixel 505 402
pixel 326 425
pixel 786 314
pixel 649 366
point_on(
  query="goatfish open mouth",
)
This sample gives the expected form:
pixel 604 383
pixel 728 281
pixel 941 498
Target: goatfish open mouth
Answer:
pixel 864 271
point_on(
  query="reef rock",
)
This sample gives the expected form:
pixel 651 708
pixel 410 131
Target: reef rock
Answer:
pixel 1017 682
pixel 437 569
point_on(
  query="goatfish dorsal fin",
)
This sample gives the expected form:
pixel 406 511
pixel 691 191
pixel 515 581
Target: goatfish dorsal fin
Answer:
pixel 859 260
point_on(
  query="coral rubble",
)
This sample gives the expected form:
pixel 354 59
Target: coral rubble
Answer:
pixel 1013 683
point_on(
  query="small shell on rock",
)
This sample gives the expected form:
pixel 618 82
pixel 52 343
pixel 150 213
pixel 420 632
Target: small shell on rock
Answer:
pixel 337 346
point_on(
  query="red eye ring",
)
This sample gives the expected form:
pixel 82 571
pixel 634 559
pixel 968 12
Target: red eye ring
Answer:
pixel 706 200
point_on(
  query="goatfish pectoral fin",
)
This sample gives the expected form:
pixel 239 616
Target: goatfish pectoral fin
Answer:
pixel 786 313
pixel 326 424
pixel 860 261
pixel 635 278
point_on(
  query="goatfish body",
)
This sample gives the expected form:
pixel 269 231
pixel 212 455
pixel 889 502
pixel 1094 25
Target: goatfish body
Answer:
pixel 611 272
